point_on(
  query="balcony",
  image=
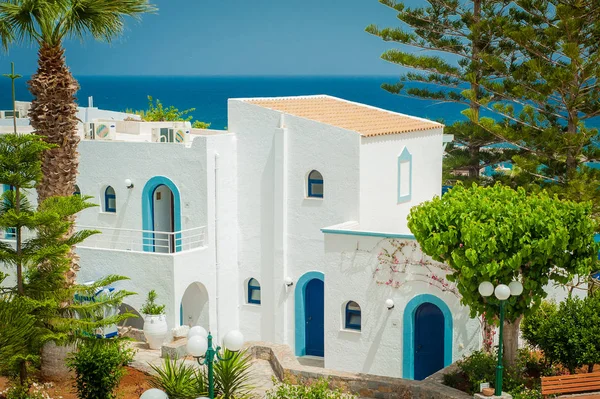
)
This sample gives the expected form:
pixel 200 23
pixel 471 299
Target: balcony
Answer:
pixel 136 240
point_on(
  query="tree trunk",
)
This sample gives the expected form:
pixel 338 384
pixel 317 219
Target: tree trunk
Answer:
pixel 53 115
pixel 510 340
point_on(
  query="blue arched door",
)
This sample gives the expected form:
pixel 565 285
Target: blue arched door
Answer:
pixel 429 340
pixel 314 306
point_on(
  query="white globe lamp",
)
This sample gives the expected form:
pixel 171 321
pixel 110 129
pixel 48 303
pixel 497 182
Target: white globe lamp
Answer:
pixel 502 292
pixel 389 303
pixel 197 346
pixel 197 331
pixel 516 288
pixel 233 340
pixel 128 183
pixel 154 394
pixel 486 289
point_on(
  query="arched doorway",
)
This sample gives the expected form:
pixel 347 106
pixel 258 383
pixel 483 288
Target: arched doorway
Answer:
pixel 427 337
pixel 163 218
pixel 310 315
pixel 194 306
pixel 135 322
pixel 161 211
pixel 429 340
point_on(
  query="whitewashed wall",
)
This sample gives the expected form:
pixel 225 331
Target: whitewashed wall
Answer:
pixel 110 163
pixel 279 227
pixel 377 348
pixel 379 207
pixel 146 271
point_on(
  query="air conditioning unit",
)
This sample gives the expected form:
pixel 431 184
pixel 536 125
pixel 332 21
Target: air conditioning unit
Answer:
pixel 170 135
pixel 181 135
pixel 104 131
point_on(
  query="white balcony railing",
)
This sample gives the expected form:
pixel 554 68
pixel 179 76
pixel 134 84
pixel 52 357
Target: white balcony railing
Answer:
pixel 135 240
pixel 145 240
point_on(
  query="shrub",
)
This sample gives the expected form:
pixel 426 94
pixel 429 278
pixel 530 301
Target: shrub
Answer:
pixel 99 365
pixel 568 334
pixel 527 393
pixel 181 381
pixel 480 367
pixel 317 390
pixel 177 380
pixel 150 307
pixel 477 368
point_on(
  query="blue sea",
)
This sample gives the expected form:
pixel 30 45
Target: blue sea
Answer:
pixel 208 95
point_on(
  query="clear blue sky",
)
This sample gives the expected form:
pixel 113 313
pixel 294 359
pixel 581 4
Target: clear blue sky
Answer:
pixel 237 37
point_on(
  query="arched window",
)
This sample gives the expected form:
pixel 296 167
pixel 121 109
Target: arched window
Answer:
pixel 77 191
pixel 253 291
pixel 315 184
pixel 110 200
pixel 352 316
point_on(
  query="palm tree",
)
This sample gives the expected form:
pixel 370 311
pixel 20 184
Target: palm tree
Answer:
pixel 53 110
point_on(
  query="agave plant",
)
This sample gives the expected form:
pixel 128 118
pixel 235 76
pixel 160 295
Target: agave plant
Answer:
pixel 233 376
pixel 177 379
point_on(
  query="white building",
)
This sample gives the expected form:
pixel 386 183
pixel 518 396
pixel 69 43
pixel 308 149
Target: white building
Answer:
pixel 290 226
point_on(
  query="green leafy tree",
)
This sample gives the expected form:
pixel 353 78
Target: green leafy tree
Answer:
pixel 500 235
pixel 449 31
pixel 567 334
pixel 40 257
pixel 551 64
pixel 157 112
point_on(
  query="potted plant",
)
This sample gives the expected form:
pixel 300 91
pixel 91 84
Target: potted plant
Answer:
pixel 155 322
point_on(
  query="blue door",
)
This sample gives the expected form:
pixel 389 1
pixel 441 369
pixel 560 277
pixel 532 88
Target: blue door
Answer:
pixel 314 305
pixel 429 340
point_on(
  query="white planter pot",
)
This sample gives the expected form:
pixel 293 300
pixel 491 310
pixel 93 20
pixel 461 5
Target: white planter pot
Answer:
pixel 155 330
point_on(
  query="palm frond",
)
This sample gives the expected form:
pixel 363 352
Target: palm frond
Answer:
pixel 103 19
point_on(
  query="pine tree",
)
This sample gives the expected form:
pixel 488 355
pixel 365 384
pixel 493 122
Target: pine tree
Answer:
pixel 454 30
pixel 551 61
pixel 40 307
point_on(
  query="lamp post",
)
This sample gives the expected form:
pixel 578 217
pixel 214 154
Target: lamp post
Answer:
pixel 502 292
pixel 200 345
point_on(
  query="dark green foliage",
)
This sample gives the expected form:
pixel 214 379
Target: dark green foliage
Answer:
pixel 498 234
pixel 551 64
pixel 150 307
pixel 99 365
pixel 475 369
pixel 456 30
pixel 232 378
pixel 317 390
pixel 40 307
pixel 521 380
pixel 17 334
pixel 568 334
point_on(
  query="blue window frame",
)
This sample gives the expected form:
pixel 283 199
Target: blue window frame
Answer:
pixel 315 184
pixel 110 200
pixel 253 291
pixel 352 316
pixel 77 191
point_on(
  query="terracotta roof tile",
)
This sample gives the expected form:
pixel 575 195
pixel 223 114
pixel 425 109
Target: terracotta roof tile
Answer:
pixel 366 120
